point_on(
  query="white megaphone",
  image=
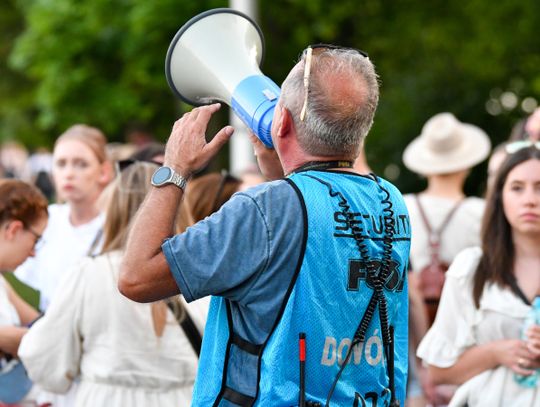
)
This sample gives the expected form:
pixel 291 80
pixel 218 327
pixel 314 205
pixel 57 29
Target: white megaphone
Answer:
pixel 215 56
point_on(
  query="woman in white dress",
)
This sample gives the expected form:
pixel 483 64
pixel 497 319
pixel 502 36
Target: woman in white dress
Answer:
pixel 80 171
pixel 126 353
pixel 23 218
pixel 475 339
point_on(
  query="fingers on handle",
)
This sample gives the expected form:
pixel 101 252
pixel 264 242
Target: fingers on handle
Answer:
pixel 219 140
pixel 205 112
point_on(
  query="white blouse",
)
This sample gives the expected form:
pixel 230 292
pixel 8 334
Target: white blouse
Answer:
pixel 459 325
pixel 93 332
pixel 64 245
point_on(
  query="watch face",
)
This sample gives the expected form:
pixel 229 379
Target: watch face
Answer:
pixel 161 175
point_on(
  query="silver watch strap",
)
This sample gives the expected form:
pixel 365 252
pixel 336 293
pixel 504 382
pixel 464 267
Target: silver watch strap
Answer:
pixel 179 181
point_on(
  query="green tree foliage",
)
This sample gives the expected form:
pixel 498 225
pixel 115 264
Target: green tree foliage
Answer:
pixel 16 103
pixel 431 57
pixel 101 62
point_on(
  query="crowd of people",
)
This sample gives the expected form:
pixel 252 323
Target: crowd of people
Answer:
pixel 163 286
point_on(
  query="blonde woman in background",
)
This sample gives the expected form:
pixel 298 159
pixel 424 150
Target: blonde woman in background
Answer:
pixel 80 171
pixel 126 353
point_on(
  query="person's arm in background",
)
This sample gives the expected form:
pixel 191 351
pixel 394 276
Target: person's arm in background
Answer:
pixel 145 274
pixel 453 332
pixel 10 336
pixel 456 302
pixel 27 313
pixel 480 358
pixel 418 319
pixel 10 339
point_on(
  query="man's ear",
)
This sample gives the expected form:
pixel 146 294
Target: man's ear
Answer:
pixel 286 123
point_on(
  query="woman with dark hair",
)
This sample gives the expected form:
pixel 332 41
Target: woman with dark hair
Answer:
pixel 475 339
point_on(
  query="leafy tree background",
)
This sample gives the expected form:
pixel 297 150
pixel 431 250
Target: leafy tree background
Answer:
pixel 102 62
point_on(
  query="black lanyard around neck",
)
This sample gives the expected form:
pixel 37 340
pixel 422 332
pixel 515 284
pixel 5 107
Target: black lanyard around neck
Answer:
pixel 323 165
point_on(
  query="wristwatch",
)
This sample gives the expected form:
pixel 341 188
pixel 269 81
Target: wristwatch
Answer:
pixel 166 175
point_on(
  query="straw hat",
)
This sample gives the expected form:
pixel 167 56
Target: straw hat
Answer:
pixel 446 145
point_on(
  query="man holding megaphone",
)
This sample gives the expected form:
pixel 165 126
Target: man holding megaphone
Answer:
pixel 307 272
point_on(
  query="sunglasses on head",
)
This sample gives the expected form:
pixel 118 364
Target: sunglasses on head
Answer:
pixel 515 146
pixel 308 54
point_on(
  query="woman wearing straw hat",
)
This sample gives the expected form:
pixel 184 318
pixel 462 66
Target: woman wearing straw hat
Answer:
pixel 444 153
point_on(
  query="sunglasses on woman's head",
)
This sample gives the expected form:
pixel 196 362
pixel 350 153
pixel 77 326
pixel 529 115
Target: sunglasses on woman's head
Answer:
pixel 515 146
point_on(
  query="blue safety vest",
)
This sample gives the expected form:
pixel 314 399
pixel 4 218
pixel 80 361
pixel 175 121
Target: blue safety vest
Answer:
pixel 326 300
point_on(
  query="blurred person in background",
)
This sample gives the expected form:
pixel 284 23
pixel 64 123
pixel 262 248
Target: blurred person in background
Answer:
pixel 532 127
pixel 527 128
pixel 40 166
pixel 153 152
pixel 251 176
pixel 119 151
pixel 524 129
pixel 14 159
pixel 475 340
pixel 497 157
pixel 23 218
pixel 442 218
pixel 444 153
pixel 126 353
pixel 81 170
pixel 204 196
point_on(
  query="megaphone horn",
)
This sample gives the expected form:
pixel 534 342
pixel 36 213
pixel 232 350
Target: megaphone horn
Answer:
pixel 215 56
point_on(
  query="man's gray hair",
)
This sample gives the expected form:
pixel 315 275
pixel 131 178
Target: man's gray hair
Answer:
pixel 338 115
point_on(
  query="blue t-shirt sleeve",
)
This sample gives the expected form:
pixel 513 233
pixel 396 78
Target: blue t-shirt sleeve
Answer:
pixel 223 254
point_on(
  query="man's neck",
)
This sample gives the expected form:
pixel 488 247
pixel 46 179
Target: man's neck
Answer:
pixel 292 165
pixel 361 165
